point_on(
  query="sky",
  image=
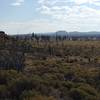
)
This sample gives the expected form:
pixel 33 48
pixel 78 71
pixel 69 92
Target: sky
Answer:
pixel 27 16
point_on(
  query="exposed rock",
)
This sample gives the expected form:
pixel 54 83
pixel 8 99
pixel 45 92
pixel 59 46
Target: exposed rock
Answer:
pixel 3 36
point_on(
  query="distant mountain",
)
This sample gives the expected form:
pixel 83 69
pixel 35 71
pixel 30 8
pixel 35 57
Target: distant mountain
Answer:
pixel 61 33
pixel 74 34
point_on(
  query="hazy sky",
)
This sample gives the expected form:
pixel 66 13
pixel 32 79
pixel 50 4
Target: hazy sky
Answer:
pixel 25 16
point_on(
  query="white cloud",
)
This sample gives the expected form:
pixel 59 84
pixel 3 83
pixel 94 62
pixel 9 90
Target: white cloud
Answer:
pixel 17 3
pixel 69 15
pixel 72 24
pixel 87 1
pixel 69 7
pixel 71 11
pixel 29 26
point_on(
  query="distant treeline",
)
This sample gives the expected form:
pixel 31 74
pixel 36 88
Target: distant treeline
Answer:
pixel 60 35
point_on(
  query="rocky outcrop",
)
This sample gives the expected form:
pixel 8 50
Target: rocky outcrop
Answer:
pixel 3 36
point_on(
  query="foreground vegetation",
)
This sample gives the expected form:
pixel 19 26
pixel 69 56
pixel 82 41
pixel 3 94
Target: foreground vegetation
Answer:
pixel 49 70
